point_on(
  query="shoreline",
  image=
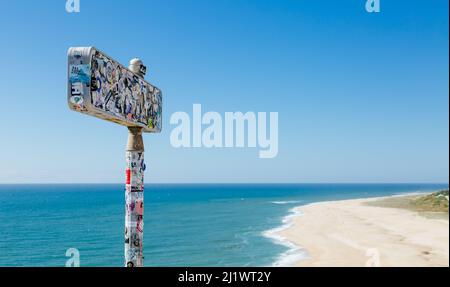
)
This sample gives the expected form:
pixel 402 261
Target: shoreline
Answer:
pixel 294 252
pixel 369 235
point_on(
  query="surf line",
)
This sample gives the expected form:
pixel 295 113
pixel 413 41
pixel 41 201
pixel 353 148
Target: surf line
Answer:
pixel 234 127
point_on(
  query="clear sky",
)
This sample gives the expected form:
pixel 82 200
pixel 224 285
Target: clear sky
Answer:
pixel 361 97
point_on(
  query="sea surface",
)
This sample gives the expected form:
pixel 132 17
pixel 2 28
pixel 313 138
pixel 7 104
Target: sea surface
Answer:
pixel 185 224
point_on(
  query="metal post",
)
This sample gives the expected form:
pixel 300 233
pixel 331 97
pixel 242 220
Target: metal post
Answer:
pixel 134 199
pixel 134 189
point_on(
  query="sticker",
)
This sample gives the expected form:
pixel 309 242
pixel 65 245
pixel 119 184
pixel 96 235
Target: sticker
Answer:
pixel 140 224
pixel 79 73
pixel 117 91
pixel 77 89
pixel 77 100
pixel 128 176
pixel 139 207
pixel 131 253
pixel 136 241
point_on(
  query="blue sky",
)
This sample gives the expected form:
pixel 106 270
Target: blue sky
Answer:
pixel 361 97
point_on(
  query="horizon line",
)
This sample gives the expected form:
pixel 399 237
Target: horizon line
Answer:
pixel 218 183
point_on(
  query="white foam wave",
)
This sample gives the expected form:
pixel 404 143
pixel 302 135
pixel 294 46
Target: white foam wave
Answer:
pixel 286 202
pixel 294 253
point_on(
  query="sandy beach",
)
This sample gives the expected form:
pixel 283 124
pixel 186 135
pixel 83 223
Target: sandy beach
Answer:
pixel 369 232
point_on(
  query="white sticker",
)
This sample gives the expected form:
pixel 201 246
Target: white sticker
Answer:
pixel 76 100
pixel 77 89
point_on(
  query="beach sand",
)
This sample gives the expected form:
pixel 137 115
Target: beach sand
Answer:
pixel 369 232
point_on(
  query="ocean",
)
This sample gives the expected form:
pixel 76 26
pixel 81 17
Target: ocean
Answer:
pixel 185 224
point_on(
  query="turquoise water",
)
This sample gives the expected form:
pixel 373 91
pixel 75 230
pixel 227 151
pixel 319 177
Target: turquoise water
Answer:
pixel 185 225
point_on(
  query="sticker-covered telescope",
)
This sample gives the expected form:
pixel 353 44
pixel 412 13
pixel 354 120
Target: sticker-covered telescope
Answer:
pixel 101 87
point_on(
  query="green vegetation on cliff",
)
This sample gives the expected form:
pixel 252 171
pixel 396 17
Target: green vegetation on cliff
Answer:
pixel 434 205
pixel 435 202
